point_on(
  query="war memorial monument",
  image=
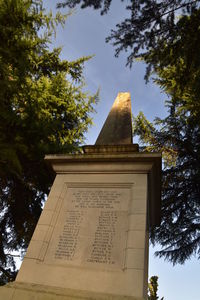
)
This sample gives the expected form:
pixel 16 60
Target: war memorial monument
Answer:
pixel 91 241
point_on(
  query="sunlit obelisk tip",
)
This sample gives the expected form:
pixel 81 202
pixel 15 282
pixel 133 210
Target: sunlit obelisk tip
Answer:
pixel 117 129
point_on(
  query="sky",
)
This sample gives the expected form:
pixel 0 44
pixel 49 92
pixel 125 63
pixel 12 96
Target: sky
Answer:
pixel 84 34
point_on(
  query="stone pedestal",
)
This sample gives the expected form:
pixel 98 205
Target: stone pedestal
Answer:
pixel 91 240
pixel 25 291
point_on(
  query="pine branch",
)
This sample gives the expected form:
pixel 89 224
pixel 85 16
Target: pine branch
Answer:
pixel 179 7
pixel 5 272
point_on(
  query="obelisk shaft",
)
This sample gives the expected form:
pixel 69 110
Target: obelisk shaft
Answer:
pixel 117 129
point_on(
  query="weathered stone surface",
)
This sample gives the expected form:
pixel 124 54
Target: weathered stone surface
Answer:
pixel 25 291
pixel 101 159
pixel 117 128
pixel 99 149
pixel 91 227
pixel 94 206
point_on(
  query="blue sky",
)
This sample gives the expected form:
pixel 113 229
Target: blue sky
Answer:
pixel 84 34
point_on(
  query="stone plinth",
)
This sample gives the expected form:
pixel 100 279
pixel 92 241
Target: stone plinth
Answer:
pixel 92 236
pixel 25 291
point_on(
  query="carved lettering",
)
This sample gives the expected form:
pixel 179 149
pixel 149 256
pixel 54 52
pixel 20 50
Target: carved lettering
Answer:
pixel 91 227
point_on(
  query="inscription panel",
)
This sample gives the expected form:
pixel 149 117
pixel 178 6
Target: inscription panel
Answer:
pixel 91 228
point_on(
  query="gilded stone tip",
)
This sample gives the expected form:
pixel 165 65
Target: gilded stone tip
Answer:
pixel 117 128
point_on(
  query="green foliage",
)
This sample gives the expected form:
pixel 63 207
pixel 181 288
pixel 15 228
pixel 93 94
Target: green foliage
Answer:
pixel 178 65
pixel 178 138
pixel 43 110
pixel 151 24
pixel 153 288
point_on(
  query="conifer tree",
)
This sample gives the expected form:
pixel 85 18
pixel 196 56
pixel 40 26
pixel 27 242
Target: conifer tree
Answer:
pixel 43 110
pixel 178 138
pixel 153 289
pixel 149 26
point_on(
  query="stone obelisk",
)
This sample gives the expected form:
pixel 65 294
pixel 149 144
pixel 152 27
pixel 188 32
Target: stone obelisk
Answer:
pixel 91 240
pixel 117 129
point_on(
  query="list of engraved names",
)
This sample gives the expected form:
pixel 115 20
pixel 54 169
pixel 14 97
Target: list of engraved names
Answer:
pixel 92 227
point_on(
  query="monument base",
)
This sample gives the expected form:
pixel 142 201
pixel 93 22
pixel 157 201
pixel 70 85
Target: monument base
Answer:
pixel 25 291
